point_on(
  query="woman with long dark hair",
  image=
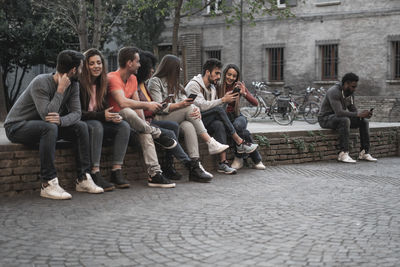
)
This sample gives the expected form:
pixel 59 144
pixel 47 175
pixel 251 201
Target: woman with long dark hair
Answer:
pixel 164 87
pixel 102 122
pixel 231 80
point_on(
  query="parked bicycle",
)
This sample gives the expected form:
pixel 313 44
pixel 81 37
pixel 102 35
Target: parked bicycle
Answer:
pixel 283 108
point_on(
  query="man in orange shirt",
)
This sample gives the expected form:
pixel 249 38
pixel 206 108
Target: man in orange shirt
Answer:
pixel 123 96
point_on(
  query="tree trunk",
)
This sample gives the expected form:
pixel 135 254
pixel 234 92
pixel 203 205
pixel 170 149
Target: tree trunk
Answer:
pixel 82 27
pixel 177 20
pixel 97 24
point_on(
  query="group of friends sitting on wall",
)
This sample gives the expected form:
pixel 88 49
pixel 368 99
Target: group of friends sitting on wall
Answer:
pixel 139 103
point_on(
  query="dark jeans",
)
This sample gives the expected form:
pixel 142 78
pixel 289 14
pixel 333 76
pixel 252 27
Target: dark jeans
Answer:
pixel 47 134
pixel 118 132
pixel 218 124
pixel 240 124
pixel 343 125
pixel 172 129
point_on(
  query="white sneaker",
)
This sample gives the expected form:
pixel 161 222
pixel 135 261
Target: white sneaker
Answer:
pixel 259 166
pixel 87 185
pixel 54 191
pixel 344 157
pixel 215 147
pixel 237 163
pixel 366 156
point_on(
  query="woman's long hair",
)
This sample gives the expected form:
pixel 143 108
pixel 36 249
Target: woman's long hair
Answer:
pixel 169 68
pixel 87 81
pixel 222 87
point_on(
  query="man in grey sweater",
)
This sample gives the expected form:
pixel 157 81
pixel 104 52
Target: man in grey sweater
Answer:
pixel 339 112
pixel 48 110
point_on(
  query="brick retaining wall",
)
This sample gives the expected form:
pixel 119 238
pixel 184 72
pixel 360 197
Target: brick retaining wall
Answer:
pixel 19 165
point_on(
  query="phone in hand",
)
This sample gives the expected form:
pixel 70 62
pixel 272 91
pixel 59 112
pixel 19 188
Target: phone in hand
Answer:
pixel 164 105
pixel 372 109
pixel 236 90
pixel 192 96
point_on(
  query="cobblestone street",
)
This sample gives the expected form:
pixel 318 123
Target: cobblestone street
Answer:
pixel 321 214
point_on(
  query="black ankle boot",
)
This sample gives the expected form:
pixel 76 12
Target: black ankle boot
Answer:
pixel 171 173
pixel 196 173
pixel 99 180
pixel 118 179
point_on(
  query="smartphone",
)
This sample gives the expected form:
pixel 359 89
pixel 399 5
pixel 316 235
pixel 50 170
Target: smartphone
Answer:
pixel 372 109
pixel 164 105
pixel 236 90
pixel 192 96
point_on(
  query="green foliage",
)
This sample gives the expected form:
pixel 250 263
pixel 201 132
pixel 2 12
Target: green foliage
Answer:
pixel 311 133
pixel 311 147
pixel 28 37
pixel 299 144
pixel 262 140
pixel 286 138
pixel 144 24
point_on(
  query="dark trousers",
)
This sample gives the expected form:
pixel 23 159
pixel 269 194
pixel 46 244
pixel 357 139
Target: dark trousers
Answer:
pixel 240 124
pixel 47 134
pixel 343 126
pixel 218 124
pixel 171 128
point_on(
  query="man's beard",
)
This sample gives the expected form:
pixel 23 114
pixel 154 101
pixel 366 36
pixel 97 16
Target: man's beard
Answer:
pixel 347 93
pixel 214 82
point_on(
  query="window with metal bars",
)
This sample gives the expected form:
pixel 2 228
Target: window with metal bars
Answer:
pixel 275 64
pixel 214 54
pixel 396 59
pixel 112 62
pixel 329 61
pixel 214 7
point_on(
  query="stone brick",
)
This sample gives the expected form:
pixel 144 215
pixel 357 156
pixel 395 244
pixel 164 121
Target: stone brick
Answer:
pixel 5 172
pixel 7 163
pixel 26 170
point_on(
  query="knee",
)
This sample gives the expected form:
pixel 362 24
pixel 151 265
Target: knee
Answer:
pixel 344 123
pixel 124 127
pixel 50 129
pixel 168 133
pixel 95 128
pixel 218 126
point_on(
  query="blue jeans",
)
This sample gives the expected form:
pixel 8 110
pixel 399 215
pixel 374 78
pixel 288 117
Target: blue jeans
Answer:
pixel 218 124
pixel 47 134
pixel 118 132
pixel 172 129
pixel 240 124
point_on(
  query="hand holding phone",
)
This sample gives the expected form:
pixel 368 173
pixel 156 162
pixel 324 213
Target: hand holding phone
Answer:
pixel 236 90
pixel 371 110
pixel 193 97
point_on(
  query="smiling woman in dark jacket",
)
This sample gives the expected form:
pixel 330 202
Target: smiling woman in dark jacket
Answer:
pixel 101 121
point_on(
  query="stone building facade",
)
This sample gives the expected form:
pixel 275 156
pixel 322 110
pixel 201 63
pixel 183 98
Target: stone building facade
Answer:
pixel 325 39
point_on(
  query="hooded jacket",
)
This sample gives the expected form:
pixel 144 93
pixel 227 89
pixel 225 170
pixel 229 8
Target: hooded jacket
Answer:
pixel 206 97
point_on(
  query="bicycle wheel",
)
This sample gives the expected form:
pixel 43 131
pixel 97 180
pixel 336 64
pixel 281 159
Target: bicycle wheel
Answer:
pixel 311 110
pixel 252 111
pixel 283 115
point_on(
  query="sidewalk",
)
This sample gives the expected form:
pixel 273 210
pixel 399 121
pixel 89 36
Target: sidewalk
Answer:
pixel 315 214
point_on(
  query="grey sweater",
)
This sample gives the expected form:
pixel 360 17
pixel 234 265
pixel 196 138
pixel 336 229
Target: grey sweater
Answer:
pixel 41 97
pixel 335 102
pixel 206 97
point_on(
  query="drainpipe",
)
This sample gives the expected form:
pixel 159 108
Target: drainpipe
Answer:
pixel 241 37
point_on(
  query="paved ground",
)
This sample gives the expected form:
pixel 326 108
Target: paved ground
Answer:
pixel 324 214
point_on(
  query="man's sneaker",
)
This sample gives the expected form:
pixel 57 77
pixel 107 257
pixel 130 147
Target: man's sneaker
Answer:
pixel 86 184
pixel 165 141
pixel 215 147
pixel 259 166
pixel 99 180
pixel 159 180
pixel 366 156
pixel 118 179
pixel 246 148
pixel 237 163
pixel 171 173
pixel 197 173
pixel 344 157
pixel 53 190
pixel 223 167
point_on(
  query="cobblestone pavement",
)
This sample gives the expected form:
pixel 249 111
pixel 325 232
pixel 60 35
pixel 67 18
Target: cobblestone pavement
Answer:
pixel 322 214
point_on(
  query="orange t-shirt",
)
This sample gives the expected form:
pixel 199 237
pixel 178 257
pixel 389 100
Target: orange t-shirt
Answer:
pixel 115 83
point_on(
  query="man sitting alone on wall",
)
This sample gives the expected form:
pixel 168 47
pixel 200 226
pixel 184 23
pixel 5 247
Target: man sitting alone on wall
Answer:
pixel 339 112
